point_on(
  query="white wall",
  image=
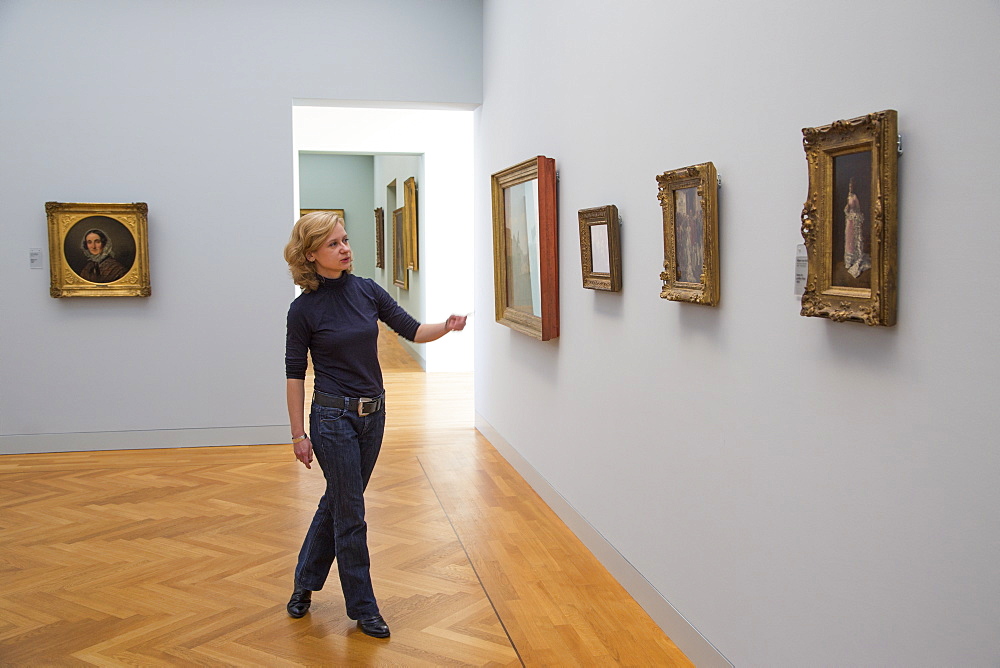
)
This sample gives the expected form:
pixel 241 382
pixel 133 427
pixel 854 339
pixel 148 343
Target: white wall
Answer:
pixel 188 107
pixel 398 168
pixel 444 137
pixel 803 492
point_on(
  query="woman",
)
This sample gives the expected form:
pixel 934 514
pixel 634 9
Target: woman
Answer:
pixel 856 260
pixel 101 265
pixel 335 319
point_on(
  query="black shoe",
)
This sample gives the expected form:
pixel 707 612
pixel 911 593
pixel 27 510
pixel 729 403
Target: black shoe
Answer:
pixel 298 604
pixel 374 626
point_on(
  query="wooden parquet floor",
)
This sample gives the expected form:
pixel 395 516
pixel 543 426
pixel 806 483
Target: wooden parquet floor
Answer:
pixel 184 557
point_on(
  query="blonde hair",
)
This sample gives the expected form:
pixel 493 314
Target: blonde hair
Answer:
pixel 308 234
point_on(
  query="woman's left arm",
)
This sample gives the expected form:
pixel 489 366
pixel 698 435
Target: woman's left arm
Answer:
pixel 428 333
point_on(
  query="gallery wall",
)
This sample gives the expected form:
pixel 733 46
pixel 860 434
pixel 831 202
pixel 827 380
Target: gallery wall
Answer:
pixel 396 169
pixel 343 182
pixel 187 107
pixel 801 492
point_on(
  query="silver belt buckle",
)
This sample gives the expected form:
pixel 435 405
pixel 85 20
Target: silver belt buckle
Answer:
pixel 361 402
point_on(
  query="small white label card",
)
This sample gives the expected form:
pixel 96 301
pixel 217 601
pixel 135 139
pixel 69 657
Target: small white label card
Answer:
pixel 801 269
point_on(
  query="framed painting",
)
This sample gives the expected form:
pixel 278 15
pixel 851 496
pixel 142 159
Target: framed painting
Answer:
pixel 600 248
pixel 410 220
pixel 339 212
pixel 525 248
pixel 689 199
pixel 98 250
pixel 400 275
pixel 379 238
pixel 849 219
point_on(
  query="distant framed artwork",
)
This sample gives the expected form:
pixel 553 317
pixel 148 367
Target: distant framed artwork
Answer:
pixel 689 200
pixel 98 250
pixel 400 275
pixel 525 248
pixel 600 248
pixel 410 220
pixel 379 238
pixel 339 212
pixel 849 219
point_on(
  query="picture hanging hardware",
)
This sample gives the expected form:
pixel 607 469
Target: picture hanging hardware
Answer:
pixel 899 144
pixel 718 179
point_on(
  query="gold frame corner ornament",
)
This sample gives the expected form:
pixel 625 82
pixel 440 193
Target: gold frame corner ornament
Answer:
pixel 125 224
pixel 852 265
pixel 704 181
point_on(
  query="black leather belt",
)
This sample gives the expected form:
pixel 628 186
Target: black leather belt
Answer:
pixel 362 406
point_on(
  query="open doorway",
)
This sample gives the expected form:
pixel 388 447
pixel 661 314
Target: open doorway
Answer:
pixel 345 184
pixel 436 145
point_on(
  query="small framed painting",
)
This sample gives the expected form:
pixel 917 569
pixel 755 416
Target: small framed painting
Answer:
pixel 600 248
pixel 410 220
pixel 379 238
pixel 849 219
pixel 339 212
pixel 400 275
pixel 689 198
pixel 98 250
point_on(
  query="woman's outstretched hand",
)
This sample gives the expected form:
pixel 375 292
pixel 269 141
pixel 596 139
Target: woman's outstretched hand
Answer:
pixel 428 333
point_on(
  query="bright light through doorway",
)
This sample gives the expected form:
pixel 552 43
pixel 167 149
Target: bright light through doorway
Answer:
pixel 444 137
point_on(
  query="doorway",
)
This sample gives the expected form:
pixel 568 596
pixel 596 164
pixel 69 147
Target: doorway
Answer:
pixel 437 146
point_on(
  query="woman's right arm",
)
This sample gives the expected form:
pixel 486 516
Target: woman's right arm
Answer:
pixel 295 393
pixel 297 337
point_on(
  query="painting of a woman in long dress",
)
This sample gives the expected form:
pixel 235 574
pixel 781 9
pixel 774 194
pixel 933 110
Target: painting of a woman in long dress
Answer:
pixel 851 211
pixel 856 260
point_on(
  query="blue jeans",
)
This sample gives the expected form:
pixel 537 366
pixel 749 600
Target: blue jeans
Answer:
pixel 346 446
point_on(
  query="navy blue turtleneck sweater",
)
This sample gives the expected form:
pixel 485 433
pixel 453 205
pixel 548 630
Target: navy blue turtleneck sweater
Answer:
pixel 338 324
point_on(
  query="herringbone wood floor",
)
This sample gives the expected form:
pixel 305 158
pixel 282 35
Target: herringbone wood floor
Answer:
pixel 184 557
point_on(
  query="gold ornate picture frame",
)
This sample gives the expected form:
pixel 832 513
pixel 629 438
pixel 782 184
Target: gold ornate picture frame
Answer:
pixel 525 248
pixel 379 238
pixel 400 275
pixel 410 220
pixel 339 212
pixel 600 248
pixel 98 250
pixel 689 198
pixel 849 219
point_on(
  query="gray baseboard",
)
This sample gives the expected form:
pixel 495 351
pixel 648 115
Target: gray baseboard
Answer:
pixel 685 636
pixel 142 440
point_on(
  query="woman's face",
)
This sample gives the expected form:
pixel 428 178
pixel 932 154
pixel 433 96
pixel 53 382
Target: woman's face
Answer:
pixel 94 244
pixel 334 256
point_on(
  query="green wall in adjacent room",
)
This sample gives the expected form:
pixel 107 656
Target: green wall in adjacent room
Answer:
pixel 329 181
